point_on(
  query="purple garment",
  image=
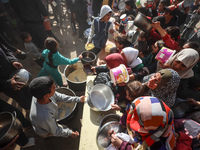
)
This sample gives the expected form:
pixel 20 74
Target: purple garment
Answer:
pixel 125 146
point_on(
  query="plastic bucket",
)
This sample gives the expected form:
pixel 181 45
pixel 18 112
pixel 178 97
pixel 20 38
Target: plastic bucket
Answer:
pixel 164 55
pixel 119 74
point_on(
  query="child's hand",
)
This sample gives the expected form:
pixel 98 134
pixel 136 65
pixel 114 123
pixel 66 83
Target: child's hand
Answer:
pixel 165 65
pixel 93 69
pixel 115 107
pixel 75 134
pixel 111 31
pixel 116 142
pixel 80 57
pixel 82 99
pixel 156 25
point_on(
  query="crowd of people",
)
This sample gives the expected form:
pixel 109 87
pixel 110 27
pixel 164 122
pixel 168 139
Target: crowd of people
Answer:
pixel 153 87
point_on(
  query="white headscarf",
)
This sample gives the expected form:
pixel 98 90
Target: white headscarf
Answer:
pixel 189 57
pixel 131 55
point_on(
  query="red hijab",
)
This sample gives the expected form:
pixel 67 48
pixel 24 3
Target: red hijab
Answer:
pixel 114 60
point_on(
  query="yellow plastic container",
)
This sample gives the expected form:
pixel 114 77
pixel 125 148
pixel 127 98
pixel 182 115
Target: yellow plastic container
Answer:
pixel 89 46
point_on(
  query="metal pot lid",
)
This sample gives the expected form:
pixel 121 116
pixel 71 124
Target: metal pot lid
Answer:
pixel 104 134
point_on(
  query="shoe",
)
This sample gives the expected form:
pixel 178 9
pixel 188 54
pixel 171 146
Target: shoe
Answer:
pixel 31 142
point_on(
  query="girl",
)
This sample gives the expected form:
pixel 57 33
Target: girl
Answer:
pixel 53 59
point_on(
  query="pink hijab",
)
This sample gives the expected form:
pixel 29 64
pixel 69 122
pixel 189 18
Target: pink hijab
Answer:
pixel 114 60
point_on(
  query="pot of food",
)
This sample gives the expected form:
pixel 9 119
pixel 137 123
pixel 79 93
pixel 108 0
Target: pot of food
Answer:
pixel 10 126
pixel 133 35
pixel 105 132
pixel 66 111
pixel 143 23
pixel 76 76
pixel 88 57
pixel 100 98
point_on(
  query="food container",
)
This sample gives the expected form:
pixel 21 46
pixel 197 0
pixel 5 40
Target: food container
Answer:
pixel 100 98
pixel 119 74
pixel 88 57
pixel 89 46
pixel 164 55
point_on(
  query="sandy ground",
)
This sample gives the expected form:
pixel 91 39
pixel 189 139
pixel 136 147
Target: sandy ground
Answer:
pixel 70 47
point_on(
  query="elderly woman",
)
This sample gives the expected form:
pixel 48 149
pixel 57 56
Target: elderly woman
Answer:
pixel 150 123
pixel 163 85
pixel 182 63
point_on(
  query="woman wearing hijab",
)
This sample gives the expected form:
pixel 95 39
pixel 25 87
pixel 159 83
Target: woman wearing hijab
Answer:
pixel 182 63
pixel 150 122
pixel 163 85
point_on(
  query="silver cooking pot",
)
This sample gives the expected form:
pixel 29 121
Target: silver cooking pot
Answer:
pixel 143 23
pixel 66 111
pixel 100 98
pixel 104 134
pixel 10 126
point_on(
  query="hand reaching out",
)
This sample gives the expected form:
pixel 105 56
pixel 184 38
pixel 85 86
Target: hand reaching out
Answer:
pixel 17 65
pixel 75 134
pixel 82 99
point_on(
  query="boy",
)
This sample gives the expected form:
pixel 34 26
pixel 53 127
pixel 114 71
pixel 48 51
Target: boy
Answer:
pixel 44 109
pixel 31 48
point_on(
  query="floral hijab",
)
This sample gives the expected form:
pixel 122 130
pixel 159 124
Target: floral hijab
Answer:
pixel 167 92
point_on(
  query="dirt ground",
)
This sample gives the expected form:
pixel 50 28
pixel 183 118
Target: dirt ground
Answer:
pixel 70 47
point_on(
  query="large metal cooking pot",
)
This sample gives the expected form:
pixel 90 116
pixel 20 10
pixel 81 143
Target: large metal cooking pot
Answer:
pixel 66 111
pixel 100 98
pixel 22 75
pixel 10 126
pixel 75 84
pixel 88 57
pixel 104 134
pixel 143 23
pixel 133 35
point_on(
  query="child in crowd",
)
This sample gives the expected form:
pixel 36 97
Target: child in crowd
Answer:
pixel 100 28
pixel 122 42
pixel 32 49
pixel 53 59
pixel 44 108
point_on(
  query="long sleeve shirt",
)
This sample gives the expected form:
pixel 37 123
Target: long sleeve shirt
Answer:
pixel 43 116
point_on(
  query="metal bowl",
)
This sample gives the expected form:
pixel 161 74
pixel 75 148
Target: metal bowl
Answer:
pixel 22 75
pixel 108 118
pixel 88 57
pixel 100 98
pixel 104 134
pixel 65 110
pixel 76 84
pixel 10 126
pixel 142 22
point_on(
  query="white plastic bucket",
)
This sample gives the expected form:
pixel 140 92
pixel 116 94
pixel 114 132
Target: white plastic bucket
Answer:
pixel 119 74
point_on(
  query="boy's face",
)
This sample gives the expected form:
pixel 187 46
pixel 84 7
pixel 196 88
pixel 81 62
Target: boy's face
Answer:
pixel 160 8
pixel 106 18
pixel 53 89
pixel 118 45
pixel 29 38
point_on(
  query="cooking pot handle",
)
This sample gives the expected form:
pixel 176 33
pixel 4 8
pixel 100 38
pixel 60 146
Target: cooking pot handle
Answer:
pixel 15 116
pixel 100 116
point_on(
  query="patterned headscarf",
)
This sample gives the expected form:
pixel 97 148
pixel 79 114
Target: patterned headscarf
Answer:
pixel 166 92
pixel 152 119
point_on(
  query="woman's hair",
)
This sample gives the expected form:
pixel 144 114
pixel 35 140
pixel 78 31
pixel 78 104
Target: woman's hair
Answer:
pixel 174 32
pixel 41 86
pixel 52 45
pixel 122 39
pixel 144 35
pixel 135 89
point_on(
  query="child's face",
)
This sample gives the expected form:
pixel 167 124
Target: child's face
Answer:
pixel 106 17
pixel 160 8
pixel 178 66
pixel 155 48
pixel 154 80
pixel 118 45
pixel 53 89
pixel 128 96
pixel 29 38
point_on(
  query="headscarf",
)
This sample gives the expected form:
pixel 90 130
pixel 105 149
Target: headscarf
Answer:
pixel 152 119
pixel 166 89
pixel 189 57
pixel 131 55
pixel 104 10
pixel 114 60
